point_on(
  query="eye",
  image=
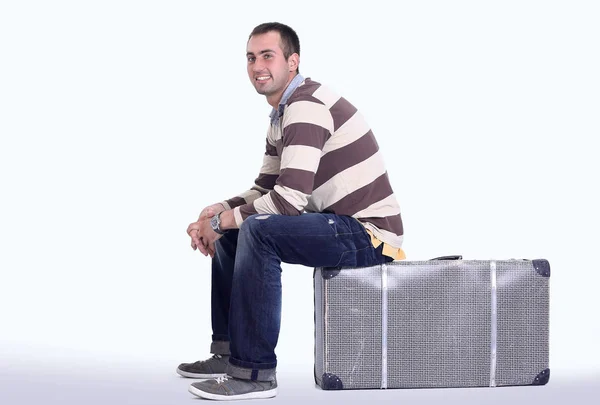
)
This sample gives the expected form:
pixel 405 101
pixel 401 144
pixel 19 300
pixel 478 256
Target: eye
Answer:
pixel 268 56
pixel 251 59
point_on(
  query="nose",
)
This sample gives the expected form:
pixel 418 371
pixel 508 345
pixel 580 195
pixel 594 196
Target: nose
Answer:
pixel 258 66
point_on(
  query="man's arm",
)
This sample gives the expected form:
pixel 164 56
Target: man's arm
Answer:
pixel 200 232
pixel 307 125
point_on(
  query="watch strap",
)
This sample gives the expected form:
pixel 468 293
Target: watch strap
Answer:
pixel 217 227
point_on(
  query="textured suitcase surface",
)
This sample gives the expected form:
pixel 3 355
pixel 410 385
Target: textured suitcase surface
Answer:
pixel 438 323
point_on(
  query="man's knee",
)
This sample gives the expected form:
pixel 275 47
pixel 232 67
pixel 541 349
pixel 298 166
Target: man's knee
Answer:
pixel 254 224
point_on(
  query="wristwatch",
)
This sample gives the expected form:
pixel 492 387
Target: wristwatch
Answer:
pixel 215 223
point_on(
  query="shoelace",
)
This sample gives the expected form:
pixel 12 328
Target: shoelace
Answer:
pixel 222 379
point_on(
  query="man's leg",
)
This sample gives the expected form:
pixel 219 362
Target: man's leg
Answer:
pixel 265 241
pixel 222 275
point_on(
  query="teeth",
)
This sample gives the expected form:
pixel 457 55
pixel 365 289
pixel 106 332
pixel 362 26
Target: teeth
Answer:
pixel 262 78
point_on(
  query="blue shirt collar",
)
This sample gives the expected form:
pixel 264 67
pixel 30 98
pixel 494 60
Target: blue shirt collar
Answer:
pixel 275 114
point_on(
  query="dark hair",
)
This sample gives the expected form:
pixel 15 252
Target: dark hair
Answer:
pixel 289 39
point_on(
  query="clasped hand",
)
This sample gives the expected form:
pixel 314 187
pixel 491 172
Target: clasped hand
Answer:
pixel 202 235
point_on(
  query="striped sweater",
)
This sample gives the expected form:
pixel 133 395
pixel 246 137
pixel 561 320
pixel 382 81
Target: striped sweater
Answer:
pixel 321 156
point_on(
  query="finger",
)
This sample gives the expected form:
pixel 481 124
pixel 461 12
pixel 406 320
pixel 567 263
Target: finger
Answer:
pixel 212 245
pixel 196 239
pixel 193 245
pixel 202 249
pixel 199 245
pixel 206 247
pixel 211 249
pixel 194 226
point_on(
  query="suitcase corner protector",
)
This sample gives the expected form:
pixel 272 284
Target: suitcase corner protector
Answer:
pixel 331 382
pixel 542 267
pixel 542 378
pixel 330 272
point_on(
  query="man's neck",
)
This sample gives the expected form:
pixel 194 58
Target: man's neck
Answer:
pixel 274 99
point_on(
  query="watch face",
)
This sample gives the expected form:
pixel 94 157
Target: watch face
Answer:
pixel 213 222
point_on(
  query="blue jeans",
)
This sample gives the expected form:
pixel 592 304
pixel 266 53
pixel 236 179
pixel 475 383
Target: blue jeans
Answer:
pixel 246 279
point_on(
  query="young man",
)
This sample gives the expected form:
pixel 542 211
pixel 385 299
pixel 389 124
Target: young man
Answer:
pixel 322 198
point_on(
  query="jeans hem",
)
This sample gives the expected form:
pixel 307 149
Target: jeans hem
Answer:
pixel 220 347
pixel 254 374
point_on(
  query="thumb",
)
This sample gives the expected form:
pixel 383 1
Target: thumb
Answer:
pixel 210 212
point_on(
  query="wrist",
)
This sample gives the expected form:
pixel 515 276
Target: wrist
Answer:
pixel 228 220
pixel 215 224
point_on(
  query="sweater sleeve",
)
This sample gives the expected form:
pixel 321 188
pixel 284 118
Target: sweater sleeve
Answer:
pixel 307 125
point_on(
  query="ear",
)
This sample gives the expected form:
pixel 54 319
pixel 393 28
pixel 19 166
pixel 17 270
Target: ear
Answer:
pixel 293 61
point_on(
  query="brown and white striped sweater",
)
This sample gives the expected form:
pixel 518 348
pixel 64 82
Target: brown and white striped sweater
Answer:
pixel 321 156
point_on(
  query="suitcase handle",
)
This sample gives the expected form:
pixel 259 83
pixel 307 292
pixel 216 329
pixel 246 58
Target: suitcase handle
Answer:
pixel 453 257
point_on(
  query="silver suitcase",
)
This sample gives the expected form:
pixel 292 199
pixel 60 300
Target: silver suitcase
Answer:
pixel 437 323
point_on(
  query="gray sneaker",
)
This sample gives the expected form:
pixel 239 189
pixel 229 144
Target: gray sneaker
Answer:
pixel 211 368
pixel 230 388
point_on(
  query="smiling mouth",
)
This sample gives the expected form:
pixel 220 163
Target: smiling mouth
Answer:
pixel 262 78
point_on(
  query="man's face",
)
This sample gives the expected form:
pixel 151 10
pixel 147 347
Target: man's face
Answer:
pixel 268 70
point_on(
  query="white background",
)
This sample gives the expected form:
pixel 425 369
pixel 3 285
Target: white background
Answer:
pixel 121 120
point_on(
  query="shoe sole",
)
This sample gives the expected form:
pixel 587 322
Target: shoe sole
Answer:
pixel 251 395
pixel 196 375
